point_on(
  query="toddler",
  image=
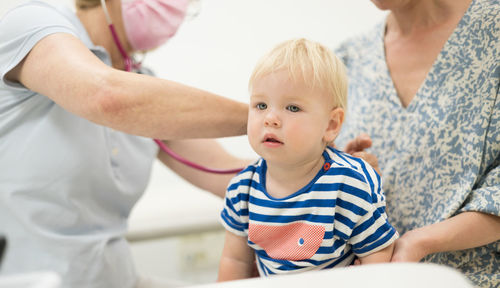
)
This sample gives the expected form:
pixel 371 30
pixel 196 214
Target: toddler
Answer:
pixel 303 205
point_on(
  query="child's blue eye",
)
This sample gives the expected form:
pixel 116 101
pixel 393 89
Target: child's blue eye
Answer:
pixel 292 108
pixel 262 106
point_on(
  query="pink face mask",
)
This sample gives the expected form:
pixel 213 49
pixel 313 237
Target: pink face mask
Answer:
pixel 150 23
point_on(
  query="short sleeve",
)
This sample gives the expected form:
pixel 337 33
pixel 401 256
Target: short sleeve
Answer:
pixel 368 229
pixel 22 27
pixel 234 215
pixel 486 197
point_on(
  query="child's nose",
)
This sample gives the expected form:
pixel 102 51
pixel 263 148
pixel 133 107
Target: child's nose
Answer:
pixel 272 120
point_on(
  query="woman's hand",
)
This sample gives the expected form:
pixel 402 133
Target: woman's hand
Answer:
pixel 408 248
pixel 356 148
pixel 463 231
pixel 358 144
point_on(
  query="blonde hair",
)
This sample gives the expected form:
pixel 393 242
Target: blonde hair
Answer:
pixel 310 60
pixel 87 4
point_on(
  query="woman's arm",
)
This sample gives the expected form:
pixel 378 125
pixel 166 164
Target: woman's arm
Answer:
pixel 237 260
pixel 62 68
pixel 205 152
pixel 463 231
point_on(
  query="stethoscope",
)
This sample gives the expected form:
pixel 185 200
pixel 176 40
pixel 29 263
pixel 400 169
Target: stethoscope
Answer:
pixel 129 65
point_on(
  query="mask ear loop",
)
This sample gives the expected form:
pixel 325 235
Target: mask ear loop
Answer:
pixel 126 59
pixel 136 64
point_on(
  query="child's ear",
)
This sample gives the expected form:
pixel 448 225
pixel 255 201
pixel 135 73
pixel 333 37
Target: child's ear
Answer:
pixel 334 124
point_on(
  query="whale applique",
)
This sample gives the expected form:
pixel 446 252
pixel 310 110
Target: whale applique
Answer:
pixel 295 241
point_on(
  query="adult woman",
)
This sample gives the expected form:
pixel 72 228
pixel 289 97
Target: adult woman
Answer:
pixel 71 169
pixel 424 87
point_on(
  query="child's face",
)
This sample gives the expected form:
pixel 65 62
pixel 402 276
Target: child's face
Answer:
pixel 289 122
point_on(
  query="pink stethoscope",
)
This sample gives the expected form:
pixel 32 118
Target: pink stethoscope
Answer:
pixel 129 65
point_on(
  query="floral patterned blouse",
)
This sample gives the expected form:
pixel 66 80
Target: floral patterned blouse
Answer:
pixel 440 155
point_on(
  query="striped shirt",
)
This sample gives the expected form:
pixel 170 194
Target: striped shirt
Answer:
pixel 339 214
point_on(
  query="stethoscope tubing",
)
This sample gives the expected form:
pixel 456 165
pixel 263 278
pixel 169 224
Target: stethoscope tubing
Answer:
pixel 179 158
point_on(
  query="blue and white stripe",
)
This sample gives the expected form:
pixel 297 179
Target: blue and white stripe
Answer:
pixel 346 199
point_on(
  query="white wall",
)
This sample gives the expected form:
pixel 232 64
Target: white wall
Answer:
pixel 216 51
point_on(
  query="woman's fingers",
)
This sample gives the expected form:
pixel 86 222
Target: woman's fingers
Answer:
pixel 358 144
pixel 370 158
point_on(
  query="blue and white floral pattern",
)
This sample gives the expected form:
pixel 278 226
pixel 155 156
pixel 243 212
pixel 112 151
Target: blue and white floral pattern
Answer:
pixel 439 156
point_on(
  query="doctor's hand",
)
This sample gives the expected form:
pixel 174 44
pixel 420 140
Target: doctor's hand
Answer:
pixel 356 148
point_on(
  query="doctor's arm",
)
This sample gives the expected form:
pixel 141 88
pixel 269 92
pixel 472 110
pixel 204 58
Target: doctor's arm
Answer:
pixel 237 260
pixel 205 152
pixel 62 68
